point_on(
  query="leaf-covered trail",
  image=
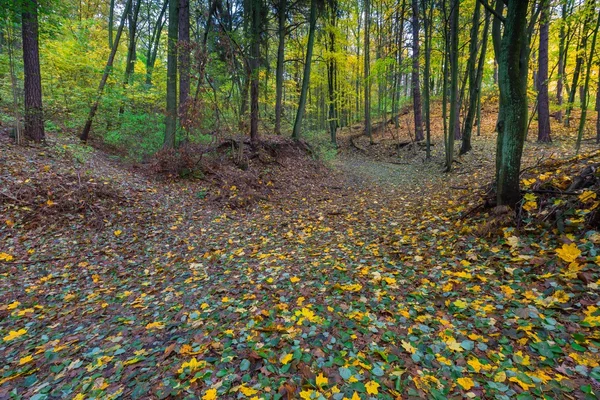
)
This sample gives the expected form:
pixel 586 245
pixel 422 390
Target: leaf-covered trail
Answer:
pixel 345 289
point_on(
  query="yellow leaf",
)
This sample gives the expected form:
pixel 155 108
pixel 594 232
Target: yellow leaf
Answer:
pixel 321 380
pixel 247 391
pixel 460 304
pixel 408 347
pixel 6 257
pixel 211 394
pixel 586 196
pixel 14 334
pixel 568 252
pixel 193 365
pixel 500 376
pixel 372 387
pixel 286 358
pixel 155 325
pixel 118 232
pixel 13 305
pixel 306 394
pixel 25 360
pixel 475 364
pixel 465 383
pixel 294 279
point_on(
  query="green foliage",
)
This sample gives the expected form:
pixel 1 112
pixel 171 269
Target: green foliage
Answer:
pixel 141 134
pixel 321 144
pixel 78 152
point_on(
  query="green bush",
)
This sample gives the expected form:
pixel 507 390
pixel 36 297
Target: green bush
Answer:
pixel 139 134
pixel 320 141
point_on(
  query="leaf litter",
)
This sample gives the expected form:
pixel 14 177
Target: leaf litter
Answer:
pixel 338 288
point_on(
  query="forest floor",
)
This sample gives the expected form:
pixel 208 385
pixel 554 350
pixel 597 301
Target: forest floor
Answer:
pixel 370 278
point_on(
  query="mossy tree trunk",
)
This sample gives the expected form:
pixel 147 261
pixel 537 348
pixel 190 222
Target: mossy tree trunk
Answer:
pixel 513 62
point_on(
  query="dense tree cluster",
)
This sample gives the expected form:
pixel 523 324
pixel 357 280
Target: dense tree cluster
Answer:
pixel 185 69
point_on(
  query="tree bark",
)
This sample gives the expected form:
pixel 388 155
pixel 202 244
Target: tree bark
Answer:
pixel 331 67
pixel 34 112
pixel 542 84
pixel 427 22
pixel 281 17
pixel 132 17
pixel 584 97
pixel 474 74
pixel 154 42
pixel 454 10
pixel 184 62
pixel 581 48
pixel 416 89
pixel 367 78
pixel 512 78
pixel 306 74
pixel 171 110
pixel 111 21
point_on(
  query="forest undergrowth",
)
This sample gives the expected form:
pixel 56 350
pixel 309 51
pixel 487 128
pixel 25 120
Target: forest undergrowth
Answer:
pixel 374 277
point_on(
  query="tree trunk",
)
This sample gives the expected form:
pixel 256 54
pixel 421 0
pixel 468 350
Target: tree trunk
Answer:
pixel 111 58
pixel 561 61
pixel 454 10
pixel 184 62
pixel 171 111
pixel 581 48
pixel 598 109
pixel 512 78
pixel 131 53
pixel 542 84
pixel 281 16
pixel 331 66
pixel 34 113
pixel 427 22
pixel 111 18
pixel 584 97
pixel 154 42
pixel 416 89
pixel 367 78
pixel 306 75
pixel 473 74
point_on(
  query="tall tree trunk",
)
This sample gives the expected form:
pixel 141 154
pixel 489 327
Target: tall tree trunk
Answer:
pixel 497 43
pixel 9 42
pixel 561 61
pixel 184 62
pixel 581 48
pixel 152 51
pixel 306 75
pixel 584 97
pixel 415 82
pixel 399 69
pixel 331 66
pixel 132 17
pixel 34 112
pixel 255 41
pixel 171 111
pixel 367 78
pixel 598 108
pixel 427 21
pixel 281 17
pixel 472 74
pixel 512 78
pixel 111 22
pixel 542 84
pixel 453 82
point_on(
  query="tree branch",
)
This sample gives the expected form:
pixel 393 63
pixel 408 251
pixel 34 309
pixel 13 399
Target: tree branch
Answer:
pixel 490 9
